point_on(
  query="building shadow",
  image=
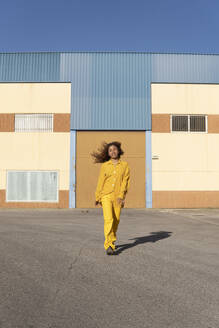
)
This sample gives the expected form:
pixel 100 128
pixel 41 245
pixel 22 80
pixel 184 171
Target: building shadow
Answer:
pixel 152 238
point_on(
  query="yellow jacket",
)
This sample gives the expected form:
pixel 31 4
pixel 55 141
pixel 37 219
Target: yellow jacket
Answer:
pixel 113 177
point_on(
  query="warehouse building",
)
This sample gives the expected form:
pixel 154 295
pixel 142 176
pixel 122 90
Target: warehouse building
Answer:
pixel 56 108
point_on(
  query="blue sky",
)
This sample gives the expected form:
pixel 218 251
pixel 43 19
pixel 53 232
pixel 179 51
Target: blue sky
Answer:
pixel 110 25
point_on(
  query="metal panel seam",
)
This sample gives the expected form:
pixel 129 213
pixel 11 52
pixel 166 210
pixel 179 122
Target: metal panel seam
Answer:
pixel 72 186
pixel 148 170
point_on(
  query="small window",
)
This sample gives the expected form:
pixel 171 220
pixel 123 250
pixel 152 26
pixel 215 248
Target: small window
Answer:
pixel 33 122
pixel 180 123
pixel 32 186
pixel 197 123
pixel 189 123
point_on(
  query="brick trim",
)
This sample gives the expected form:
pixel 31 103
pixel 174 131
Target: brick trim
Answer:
pixel 185 199
pixel 161 123
pixel 61 122
pixel 63 202
pixel 213 123
pixel 6 122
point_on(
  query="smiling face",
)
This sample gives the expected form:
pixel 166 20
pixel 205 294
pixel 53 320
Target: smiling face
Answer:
pixel 113 152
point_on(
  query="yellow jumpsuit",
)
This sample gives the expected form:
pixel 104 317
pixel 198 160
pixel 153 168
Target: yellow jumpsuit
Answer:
pixel 113 183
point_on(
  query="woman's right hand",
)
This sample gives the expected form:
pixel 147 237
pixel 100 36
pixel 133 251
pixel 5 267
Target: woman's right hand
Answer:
pixel 97 203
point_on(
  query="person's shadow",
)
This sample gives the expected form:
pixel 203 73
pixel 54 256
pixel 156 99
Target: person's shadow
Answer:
pixel 152 238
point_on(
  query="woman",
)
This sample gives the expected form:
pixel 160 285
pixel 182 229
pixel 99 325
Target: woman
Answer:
pixel 112 186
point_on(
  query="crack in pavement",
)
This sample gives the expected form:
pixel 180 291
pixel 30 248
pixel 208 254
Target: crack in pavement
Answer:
pixel 68 274
pixel 77 256
pixel 70 267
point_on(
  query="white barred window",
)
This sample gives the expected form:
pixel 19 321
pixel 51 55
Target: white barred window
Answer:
pixel 33 122
pixel 188 123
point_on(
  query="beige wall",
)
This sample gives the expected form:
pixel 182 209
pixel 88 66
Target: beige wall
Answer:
pixel 35 151
pixel 186 161
pixel 185 98
pixel 35 97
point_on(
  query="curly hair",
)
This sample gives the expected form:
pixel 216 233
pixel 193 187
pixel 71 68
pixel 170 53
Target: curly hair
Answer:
pixel 101 155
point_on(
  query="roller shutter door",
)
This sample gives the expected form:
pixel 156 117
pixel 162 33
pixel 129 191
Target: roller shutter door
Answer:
pixel 133 144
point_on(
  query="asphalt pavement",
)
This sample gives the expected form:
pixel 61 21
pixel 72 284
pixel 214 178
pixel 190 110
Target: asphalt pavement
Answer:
pixel 54 272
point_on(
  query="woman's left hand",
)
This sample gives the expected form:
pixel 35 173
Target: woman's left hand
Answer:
pixel 121 201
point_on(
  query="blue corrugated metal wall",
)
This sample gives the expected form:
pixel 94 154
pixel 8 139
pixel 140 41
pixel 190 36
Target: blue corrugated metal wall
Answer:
pixel 30 67
pixel 110 91
pixel 185 68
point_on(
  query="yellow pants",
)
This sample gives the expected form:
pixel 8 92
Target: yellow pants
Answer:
pixel 111 214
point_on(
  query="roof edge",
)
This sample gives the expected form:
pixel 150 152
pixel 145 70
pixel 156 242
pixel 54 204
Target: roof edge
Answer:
pixel 111 52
